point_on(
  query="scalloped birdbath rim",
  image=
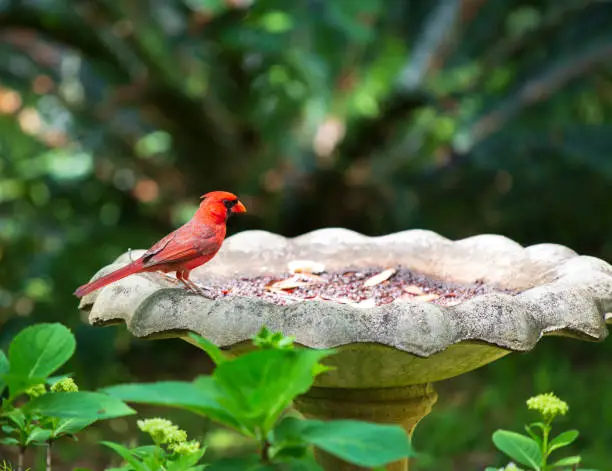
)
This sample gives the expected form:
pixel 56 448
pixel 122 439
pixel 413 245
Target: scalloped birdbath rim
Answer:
pixel 562 293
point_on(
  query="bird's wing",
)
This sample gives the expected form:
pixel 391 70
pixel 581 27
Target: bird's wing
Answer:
pixel 180 246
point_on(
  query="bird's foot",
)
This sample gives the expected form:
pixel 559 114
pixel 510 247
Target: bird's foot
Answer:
pixel 204 291
pixel 170 278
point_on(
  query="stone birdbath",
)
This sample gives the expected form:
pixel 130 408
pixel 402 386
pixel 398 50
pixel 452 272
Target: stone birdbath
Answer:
pixel 402 311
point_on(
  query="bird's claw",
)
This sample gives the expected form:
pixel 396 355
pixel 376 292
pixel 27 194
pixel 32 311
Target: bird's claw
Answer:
pixel 200 290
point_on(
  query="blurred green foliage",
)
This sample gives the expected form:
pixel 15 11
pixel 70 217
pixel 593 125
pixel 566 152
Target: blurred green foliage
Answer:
pixel 462 117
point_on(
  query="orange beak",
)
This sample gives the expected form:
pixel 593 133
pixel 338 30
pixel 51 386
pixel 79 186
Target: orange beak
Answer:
pixel 239 208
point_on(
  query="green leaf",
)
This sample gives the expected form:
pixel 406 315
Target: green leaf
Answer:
pixel 143 451
pixel 35 353
pixel 569 461
pixel 71 425
pixel 80 405
pixel 302 464
pixel 9 441
pixel 17 417
pixel 520 448
pixel 4 368
pixel 38 435
pixel 185 462
pixel 199 398
pixel 361 443
pixel 247 463
pixel 534 435
pixel 266 339
pixel 290 452
pixel 257 387
pixel 214 352
pixel 126 455
pixel 563 439
pixel 541 425
pixel 8 429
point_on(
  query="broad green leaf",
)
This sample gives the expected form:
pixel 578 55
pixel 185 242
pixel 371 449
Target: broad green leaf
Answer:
pixel 126 454
pixel 184 462
pixel 36 352
pixel 305 463
pixel 247 463
pixel 4 368
pixel 302 464
pixel 38 435
pixel 8 429
pixel 290 452
pixel 534 435
pixel 361 443
pixel 143 451
pixel 154 461
pixel 214 352
pixel 9 441
pixel 569 461
pixel 257 387
pixel 17 417
pixel 80 405
pixel 71 425
pixel 199 398
pixel 520 448
pixel 563 439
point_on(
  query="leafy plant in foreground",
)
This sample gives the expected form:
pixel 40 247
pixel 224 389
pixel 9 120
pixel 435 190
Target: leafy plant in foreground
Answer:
pixel 37 409
pixel 171 450
pixel 251 395
pixel 534 451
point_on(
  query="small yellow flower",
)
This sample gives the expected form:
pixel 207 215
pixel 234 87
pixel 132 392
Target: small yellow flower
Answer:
pixel 36 391
pixel 162 430
pixel 548 405
pixel 185 448
pixel 65 385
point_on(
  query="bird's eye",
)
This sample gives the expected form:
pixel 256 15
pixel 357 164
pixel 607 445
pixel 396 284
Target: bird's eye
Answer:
pixel 229 204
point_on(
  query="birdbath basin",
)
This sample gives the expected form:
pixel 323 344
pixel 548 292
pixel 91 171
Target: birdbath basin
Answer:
pixel 402 311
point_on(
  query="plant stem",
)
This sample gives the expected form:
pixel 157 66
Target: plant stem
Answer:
pixel 48 456
pixel 545 434
pixel 21 458
pixel 265 452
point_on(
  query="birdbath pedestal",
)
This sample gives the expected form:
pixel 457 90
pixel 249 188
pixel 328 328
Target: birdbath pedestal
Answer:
pixel 438 309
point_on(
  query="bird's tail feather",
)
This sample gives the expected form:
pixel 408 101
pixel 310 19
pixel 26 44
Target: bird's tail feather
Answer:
pixel 116 275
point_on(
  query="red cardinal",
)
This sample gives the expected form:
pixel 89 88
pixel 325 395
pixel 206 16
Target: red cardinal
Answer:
pixel 188 247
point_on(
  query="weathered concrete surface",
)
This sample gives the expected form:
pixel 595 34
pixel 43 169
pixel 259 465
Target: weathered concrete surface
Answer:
pixel 394 345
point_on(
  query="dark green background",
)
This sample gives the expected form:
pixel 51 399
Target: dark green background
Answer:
pixel 467 117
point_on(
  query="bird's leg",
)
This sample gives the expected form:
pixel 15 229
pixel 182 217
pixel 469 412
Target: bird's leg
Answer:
pixel 179 277
pixel 183 277
pixel 201 290
pixel 170 278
